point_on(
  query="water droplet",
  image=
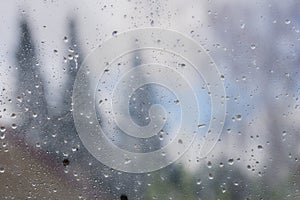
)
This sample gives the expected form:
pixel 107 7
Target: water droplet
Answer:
pixel 209 165
pixel 180 141
pixel 152 23
pixel 260 147
pixel 287 21
pixel 14 126
pixel 238 117
pixel 66 162
pixel 114 33
pixel 2 129
pixel 242 26
pixel 199 181
pixel 123 197
pixel 231 161
pixel 71 50
pixel 161 137
pixel 221 164
pixel 287 74
pixel 2 170
pixel 201 125
pixel 2 136
pixel 106 175
pixel 210 176
pixel 19 99
pixel 127 161
pixel 13 115
pixel 66 39
pixel 74 149
pixel 223 190
pixel 253 46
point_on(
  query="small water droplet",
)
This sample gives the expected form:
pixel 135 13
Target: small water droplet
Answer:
pixel 2 170
pixel 253 46
pixel 223 190
pixel 106 175
pixel 209 165
pixel 114 33
pixel 19 99
pixel 70 57
pixel 260 147
pixel 74 149
pixel 161 137
pixel 66 39
pixel 66 162
pixel 201 125
pixel 127 161
pixel 14 126
pixel 287 21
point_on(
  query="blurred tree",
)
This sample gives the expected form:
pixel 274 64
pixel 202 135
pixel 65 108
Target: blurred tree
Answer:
pixel 30 88
pixel 65 127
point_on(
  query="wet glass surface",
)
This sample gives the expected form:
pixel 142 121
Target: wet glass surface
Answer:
pixel 149 100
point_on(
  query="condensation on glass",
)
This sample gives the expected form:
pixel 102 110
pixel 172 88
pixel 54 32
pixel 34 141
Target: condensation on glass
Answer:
pixel 47 64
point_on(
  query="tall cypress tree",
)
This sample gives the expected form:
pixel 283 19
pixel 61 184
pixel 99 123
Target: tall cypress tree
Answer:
pixel 62 126
pixel 30 89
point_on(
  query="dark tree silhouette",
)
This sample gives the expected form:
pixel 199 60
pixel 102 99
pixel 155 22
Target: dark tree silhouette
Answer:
pixel 30 89
pixel 61 126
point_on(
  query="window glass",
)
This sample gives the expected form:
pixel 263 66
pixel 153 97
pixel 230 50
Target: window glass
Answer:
pixel 149 99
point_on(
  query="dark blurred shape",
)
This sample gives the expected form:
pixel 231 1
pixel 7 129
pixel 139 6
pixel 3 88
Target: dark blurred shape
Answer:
pixel 66 162
pixel 30 89
pixel 123 197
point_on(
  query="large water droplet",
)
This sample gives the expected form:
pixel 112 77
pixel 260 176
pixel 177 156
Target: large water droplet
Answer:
pixel 210 176
pixel 231 161
pixel 238 117
pixel 287 21
pixel 2 136
pixel 199 181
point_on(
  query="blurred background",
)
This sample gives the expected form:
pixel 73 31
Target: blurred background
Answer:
pixel 256 46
